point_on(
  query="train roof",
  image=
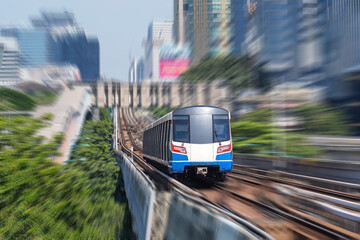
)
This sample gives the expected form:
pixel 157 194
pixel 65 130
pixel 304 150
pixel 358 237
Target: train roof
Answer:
pixel 199 110
pixel 191 110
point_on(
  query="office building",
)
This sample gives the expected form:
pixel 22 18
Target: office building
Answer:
pixel 70 43
pixel 239 19
pixel 286 38
pixel 9 61
pixel 159 33
pixel 209 28
pixel 181 21
pixel 54 19
pixel 34 45
pixel 343 56
pixel 81 51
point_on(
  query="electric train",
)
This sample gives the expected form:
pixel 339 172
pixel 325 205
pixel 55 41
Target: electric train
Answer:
pixel 191 141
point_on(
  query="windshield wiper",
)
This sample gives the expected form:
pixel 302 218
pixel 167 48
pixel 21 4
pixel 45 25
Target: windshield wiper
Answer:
pixel 186 134
pixel 216 135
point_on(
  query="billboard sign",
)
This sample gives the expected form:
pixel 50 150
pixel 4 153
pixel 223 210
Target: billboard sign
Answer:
pixel 174 60
pixel 173 67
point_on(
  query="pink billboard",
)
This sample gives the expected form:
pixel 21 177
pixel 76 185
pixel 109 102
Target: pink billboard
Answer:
pixel 173 67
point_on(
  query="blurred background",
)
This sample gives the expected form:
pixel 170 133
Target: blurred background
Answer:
pixel 287 70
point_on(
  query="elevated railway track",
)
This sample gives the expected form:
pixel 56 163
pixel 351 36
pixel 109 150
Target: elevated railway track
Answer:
pixel 261 198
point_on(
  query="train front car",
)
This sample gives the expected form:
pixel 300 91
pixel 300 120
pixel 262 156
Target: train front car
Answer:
pixel 201 142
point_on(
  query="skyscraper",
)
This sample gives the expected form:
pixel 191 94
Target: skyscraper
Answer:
pixel 70 43
pixel 33 44
pixel 239 19
pixel 9 61
pixel 181 18
pixel 209 28
pixel 343 55
pixel 159 33
pixel 285 37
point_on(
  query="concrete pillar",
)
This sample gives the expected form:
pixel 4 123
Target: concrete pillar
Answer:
pixel 100 95
pixel 94 95
pixel 165 94
pixel 116 95
pixel 119 94
pixel 174 96
pixel 125 97
pixel 211 92
pixel 160 95
pixel 135 99
pixel 185 95
pixel 220 95
pixel 200 93
pixel 145 95
pixel 110 95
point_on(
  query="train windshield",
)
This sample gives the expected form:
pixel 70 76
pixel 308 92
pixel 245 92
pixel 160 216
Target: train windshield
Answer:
pixel 221 128
pixel 181 129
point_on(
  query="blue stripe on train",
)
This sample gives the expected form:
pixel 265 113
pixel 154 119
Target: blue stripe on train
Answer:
pixel 178 167
pixel 179 157
pixel 224 156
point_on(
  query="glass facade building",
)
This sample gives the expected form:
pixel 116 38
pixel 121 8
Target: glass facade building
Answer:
pixel 209 28
pixel 34 45
pixel 70 44
pixel 9 61
pixel 286 38
pixel 343 56
pixel 81 51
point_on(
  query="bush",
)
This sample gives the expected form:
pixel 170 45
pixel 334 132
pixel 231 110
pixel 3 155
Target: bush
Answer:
pixel 43 200
pixel 11 100
pixel 260 138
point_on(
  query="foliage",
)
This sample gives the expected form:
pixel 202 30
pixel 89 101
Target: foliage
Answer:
pixel 262 115
pixel 11 100
pixel 105 114
pixel 42 200
pixel 161 111
pixel 315 119
pixel 323 119
pixel 237 71
pixel 42 96
pixel 261 138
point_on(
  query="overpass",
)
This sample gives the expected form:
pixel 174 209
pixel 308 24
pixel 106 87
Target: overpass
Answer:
pixel 154 94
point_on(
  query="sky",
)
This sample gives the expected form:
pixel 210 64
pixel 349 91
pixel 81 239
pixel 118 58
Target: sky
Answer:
pixel 120 25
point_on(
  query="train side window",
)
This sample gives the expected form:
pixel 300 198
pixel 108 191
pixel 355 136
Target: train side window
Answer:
pixel 161 141
pixel 181 129
pixel 169 141
pixel 157 141
pixel 166 140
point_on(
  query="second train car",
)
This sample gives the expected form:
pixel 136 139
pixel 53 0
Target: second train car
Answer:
pixel 191 141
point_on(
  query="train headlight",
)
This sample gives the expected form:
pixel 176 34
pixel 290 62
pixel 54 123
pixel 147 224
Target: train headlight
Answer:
pixel 223 149
pixel 179 149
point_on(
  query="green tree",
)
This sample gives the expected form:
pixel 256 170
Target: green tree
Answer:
pixel 323 119
pixel 238 72
pixel 42 96
pixel 262 115
pixel 261 138
pixel 43 200
pixel 11 100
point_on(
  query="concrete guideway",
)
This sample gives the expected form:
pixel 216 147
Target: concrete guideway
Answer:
pixel 69 113
pixel 146 94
